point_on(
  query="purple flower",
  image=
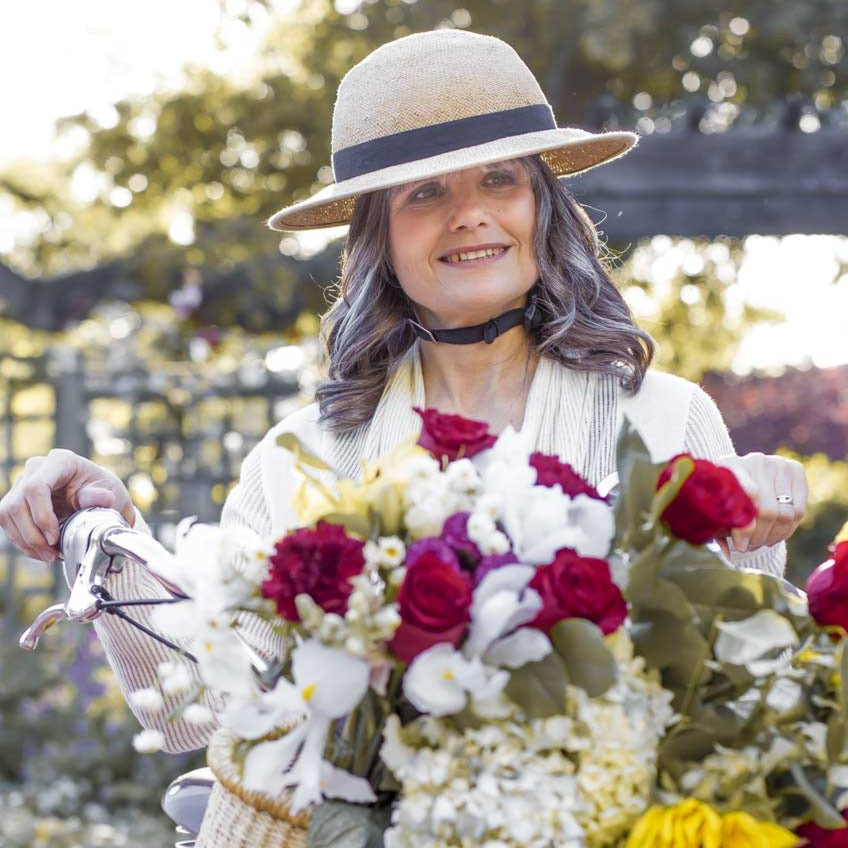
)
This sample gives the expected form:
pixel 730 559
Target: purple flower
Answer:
pixel 431 545
pixel 455 533
pixel 490 563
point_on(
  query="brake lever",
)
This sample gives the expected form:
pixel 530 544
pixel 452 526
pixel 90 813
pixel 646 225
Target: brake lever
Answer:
pixel 86 564
pixel 43 621
pixel 80 541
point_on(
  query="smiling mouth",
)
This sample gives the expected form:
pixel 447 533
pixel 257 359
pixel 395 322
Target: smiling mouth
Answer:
pixel 475 257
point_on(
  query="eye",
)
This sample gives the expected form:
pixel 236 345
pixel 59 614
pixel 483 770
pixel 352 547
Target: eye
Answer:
pixel 500 177
pixel 425 192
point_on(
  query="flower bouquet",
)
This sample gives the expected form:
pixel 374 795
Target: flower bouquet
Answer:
pixel 473 647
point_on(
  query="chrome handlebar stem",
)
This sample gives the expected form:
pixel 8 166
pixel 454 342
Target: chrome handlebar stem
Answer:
pixel 92 543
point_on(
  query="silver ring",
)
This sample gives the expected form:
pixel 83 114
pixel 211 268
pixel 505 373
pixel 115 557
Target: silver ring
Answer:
pixel 784 499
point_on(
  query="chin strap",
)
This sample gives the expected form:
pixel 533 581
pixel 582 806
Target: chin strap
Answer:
pixel 488 331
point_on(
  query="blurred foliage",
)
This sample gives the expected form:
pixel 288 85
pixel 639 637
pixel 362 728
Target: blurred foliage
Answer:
pixel 826 514
pixel 184 180
pixel 172 416
pixel 684 292
pixel 803 410
pixel 802 414
pixel 22 826
pixel 68 772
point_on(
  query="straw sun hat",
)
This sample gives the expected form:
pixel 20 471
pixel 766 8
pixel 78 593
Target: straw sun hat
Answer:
pixel 436 102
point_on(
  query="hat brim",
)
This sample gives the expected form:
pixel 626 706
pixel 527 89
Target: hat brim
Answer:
pixel 565 151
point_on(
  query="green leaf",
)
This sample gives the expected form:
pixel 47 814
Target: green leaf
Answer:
pixel 338 824
pixel 304 455
pixel 588 661
pixel 637 476
pixel 744 641
pixel 354 525
pixel 836 739
pixel 681 471
pixel 539 688
pixel 822 811
pixel 674 647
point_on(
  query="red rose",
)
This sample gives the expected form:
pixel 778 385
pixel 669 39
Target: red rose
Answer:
pixel 550 472
pixel 318 563
pixel 434 603
pixel 578 587
pixel 827 589
pixel 452 435
pixel 710 503
pixel 819 837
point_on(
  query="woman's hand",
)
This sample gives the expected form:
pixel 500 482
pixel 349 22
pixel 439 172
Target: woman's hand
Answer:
pixel 49 490
pixel 778 486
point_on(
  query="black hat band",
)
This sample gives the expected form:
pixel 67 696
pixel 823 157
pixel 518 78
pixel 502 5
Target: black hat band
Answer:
pixel 424 142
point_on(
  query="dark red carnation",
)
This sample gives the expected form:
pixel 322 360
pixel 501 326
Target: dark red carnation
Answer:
pixel 318 563
pixel 578 587
pixel 819 837
pixel 434 602
pixel 710 503
pixel 452 436
pixel 455 534
pixel 827 590
pixel 551 472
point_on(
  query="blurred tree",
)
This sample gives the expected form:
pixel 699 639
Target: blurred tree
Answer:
pixel 769 413
pixel 184 180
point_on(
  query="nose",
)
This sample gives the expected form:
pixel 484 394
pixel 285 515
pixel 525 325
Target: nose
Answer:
pixel 468 210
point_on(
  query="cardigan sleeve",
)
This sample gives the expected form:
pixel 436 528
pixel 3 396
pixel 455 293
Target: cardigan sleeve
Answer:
pixel 707 436
pixel 135 657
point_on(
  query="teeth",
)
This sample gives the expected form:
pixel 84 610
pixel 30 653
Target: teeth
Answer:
pixel 475 254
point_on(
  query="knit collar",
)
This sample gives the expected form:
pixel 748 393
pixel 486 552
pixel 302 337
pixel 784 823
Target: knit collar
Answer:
pixel 556 416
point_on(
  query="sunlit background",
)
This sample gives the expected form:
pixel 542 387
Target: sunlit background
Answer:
pixel 149 319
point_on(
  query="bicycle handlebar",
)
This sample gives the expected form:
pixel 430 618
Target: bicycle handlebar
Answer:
pixel 91 543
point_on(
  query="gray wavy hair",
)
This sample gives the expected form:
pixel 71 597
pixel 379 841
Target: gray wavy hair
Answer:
pixel 586 323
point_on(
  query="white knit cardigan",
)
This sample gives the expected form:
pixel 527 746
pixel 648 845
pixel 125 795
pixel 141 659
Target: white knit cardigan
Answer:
pixel 572 414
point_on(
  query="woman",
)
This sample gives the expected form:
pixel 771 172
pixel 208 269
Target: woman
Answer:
pixel 472 282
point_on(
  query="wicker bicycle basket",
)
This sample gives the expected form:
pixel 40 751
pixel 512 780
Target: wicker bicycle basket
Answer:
pixel 241 818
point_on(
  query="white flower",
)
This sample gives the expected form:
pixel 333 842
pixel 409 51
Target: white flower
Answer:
pixel 439 679
pixel 483 532
pixel 146 699
pixel 174 678
pixel 222 659
pixel 197 714
pixel 213 561
pixel 257 713
pixel 148 741
pixel 386 552
pixel 463 476
pixel 500 604
pixel 328 684
pixel 541 520
pixel 420 466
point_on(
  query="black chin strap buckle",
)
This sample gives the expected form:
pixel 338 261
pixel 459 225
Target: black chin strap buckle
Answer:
pixel 530 316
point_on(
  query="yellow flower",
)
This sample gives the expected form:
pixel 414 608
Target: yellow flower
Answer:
pixel 842 535
pixel 689 824
pixel 693 824
pixel 380 491
pixel 739 830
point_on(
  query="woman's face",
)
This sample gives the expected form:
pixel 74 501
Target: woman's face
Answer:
pixel 435 223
